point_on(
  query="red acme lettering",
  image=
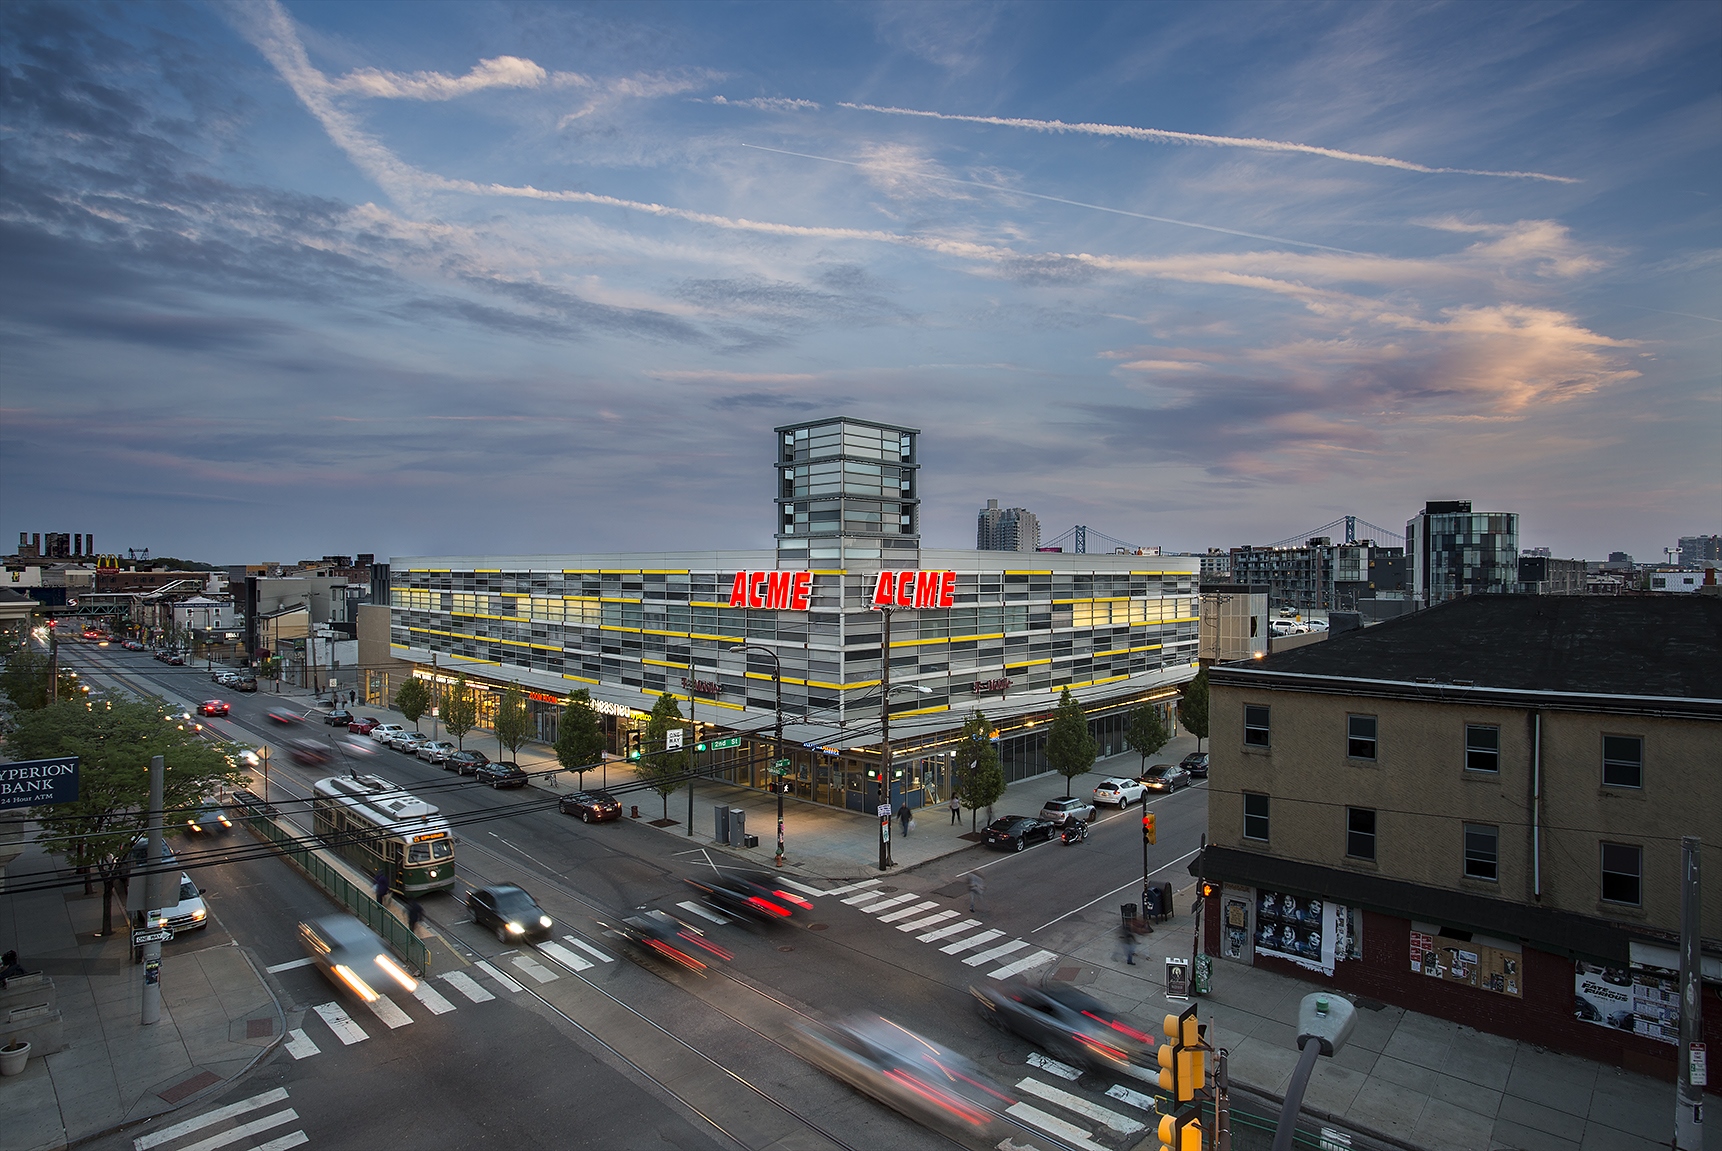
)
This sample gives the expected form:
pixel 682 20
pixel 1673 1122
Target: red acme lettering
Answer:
pixel 772 590
pixel 915 589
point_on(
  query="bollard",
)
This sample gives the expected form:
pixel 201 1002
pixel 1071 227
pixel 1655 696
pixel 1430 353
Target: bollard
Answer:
pixel 634 811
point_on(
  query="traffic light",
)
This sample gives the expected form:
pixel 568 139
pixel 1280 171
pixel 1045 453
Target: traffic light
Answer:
pixel 1147 827
pixel 1183 1065
pixel 1181 1131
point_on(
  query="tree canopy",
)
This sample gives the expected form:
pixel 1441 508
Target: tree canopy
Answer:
pixel 663 769
pixel 1070 749
pixel 26 677
pixel 981 781
pixel 513 721
pixel 412 700
pixel 1147 732
pixel 1193 707
pixel 459 710
pixel 579 737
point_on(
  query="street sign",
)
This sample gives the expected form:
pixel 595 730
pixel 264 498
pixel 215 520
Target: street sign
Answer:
pixel 721 744
pixel 1700 1054
pixel 159 935
pixel 673 739
pixel 884 810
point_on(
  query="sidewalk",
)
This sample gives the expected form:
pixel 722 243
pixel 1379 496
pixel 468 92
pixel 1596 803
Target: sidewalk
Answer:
pixel 218 1018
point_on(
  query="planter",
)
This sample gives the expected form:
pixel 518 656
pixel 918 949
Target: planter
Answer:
pixel 12 1058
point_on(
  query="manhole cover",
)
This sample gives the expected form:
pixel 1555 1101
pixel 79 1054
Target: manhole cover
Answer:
pixel 1066 974
pixel 816 927
pixel 887 889
pixel 785 947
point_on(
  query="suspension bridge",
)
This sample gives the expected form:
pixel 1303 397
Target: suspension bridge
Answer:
pixel 1078 538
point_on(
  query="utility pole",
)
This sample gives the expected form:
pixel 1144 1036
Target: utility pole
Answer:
pixel 693 741
pixel 885 862
pixel 1691 1072
pixel 152 893
pixel 53 664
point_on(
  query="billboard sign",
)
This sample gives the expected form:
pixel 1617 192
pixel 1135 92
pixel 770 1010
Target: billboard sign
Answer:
pixel 31 782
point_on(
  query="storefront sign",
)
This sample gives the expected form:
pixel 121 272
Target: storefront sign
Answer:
pixel 1638 1000
pixel 30 782
pixel 915 589
pixel 772 590
pixel 541 697
pixel 990 686
pixel 1473 964
pixel 702 686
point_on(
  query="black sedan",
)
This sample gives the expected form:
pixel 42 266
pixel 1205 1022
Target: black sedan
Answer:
pixel 502 773
pixel 1196 763
pixel 590 806
pixel 1069 1025
pixel 339 718
pixel 465 762
pixel 1166 777
pixel 1016 832
pixel 210 819
pixel 512 914
pixel 308 752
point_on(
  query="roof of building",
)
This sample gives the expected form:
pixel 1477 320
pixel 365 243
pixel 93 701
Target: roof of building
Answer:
pixel 1654 645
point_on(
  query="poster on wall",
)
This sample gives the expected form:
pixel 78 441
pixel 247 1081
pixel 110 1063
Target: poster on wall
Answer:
pixel 1476 965
pixel 1639 1000
pixel 1235 926
pixel 1295 928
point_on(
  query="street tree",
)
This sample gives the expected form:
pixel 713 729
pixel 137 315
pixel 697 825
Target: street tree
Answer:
pixel 981 781
pixel 513 721
pixel 459 710
pixel 579 738
pixel 114 741
pixel 1147 732
pixel 26 678
pixel 1193 707
pixel 661 768
pixel 412 700
pixel 1070 749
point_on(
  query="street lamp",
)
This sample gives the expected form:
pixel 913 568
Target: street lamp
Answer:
pixel 1324 1023
pixel 777 748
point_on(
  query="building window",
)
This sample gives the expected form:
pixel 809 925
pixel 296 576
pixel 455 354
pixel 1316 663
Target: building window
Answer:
pixel 1482 851
pixel 1360 832
pixel 1622 873
pixel 1482 748
pixel 1255 726
pixel 1255 816
pixel 1622 761
pixel 1360 736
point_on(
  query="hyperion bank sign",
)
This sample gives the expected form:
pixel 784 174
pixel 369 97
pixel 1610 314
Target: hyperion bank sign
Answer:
pixel 30 782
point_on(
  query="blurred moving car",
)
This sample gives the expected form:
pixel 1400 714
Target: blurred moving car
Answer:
pixel 351 955
pixel 352 747
pixel 308 752
pixel 1016 832
pixel 1196 763
pixel 658 934
pixel 283 717
pixel 502 773
pixel 744 899
pixel 340 717
pixel 1057 811
pixel 590 806
pixel 214 707
pixel 773 888
pixel 1120 791
pixel 465 762
pixel 363 726
pixel 925 1081
pixel 1166 777
pixel 434 750
pixel 1068 1025
pixel 210 819
pixel 510 912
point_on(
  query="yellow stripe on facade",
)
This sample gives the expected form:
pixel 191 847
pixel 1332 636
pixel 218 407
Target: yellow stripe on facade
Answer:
pixel 1089 683
pixel 663 571
pixel 583 679
pixel 473 658
pixel 717 638
pixel 661 663
pixel 1150 647
pixel 618 627
pixel 1027 663
pixel 923 710
pixel 1044 573
pixel 707 603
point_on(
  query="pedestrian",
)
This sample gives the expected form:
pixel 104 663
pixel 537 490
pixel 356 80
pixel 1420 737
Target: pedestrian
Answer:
pixel 956 810
pixel 903 817
pixel 1129 943
pixel 415 913
pixel 9 966
pixel 977 888
pixel 380 881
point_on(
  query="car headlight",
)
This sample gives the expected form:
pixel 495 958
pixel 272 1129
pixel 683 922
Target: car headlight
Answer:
pixel 516 928
pixel 199 914
pixel 544 921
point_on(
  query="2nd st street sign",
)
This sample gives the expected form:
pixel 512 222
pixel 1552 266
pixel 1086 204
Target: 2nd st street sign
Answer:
pixel 31 782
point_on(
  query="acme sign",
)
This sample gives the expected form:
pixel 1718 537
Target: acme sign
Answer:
pixel 772 590
pixel 914 589
pixel 990 686
pixel 30 782
pixel 702 686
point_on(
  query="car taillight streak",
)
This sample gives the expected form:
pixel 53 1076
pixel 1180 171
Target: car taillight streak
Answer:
pixel 1105 1050
pixel 967 1114
pixel 1122 1028
pixel 767 905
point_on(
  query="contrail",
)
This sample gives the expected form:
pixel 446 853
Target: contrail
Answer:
pixel 1163 135
pixel 1062 200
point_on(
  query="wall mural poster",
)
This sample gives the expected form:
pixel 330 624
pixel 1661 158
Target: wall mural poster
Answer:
pixel 1640 1001
pixel 1473 964
pixel 1235 931
pixel 1295 928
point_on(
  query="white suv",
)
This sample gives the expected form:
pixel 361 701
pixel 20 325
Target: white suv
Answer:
pixel 187 913
pixel 1123 792
pixel 386 732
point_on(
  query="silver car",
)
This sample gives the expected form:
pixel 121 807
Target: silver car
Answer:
pixel 408 741
pixel 1057 811
pixel 435 750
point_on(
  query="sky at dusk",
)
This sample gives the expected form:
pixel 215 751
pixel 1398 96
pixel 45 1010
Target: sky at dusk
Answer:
pixel 290 279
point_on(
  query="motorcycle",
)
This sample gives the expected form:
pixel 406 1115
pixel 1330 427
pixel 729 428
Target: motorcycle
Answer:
pixel 1074 831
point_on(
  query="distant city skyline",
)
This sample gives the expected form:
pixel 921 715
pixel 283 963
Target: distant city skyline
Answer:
pixel 292 279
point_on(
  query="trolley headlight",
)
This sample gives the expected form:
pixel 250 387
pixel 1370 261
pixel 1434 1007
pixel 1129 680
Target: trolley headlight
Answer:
pixel 397 972
pixel 544 921
pixel 515 928
pixel 433 874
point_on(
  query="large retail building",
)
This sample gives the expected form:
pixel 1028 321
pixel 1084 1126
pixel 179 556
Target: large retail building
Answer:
pixel 967 630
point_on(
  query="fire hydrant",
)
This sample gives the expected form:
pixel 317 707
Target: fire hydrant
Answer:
pixel 634 811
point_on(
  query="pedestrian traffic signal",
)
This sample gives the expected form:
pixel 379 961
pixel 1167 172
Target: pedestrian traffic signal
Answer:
pixel 1183 1066
pixel 1147 827
pixel 1182 1131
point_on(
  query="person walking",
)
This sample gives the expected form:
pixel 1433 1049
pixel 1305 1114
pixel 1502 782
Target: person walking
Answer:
pixel 956 810
pixel 904 817
pixel 415 913
pixel 1129 943
pixel 380 881
pixel 977 888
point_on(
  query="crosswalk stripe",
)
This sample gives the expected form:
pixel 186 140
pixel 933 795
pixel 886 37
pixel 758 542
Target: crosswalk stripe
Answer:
pixel 1053 1067
pixel 946 932
pixel 894 901
pixel 1012 968
pixel 703 912
pixel 468 986
pixel 906 912
pixel 340 1023
pixel 1069 1132
pixel 432 998
pixel 972 941
pixel 564 956
pixel 534 968
pixel 1134 1098
pixel 863 897
pixel 389 1012
pixel 244 1131
pixel 801 887
pixel 993 953
pixel 917 924
pixel 291 1139
pixel 496 973
pixel 299 1045
pixel 288 966
pixel 856 886
pixel 590 950
pixel 208 1118
pixel 1093 1112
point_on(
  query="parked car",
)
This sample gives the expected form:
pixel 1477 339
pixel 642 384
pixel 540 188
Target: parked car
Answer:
pixel 283 717
pixel 363 726
pixel 465 762
pixel 1018 831
pixel 339 718
pixel 503 773
pixel 590 806
pixel 384 732
pixel 245 683
pixel 1196 763
pixel 1067 1024
pixel 351 955
pixel 1057 811
pixel 174 658
pixel 507 910
pixel 1166 777
pixel 408 741
pixel 435 750
pixel 210 819
pixel 213 707
pixel 1122 792
pixel 222 676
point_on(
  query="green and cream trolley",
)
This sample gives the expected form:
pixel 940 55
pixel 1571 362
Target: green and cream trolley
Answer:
pixel 374 824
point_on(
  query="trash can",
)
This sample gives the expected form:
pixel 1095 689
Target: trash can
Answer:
pixel 737 827
pixel 750 841
pixel 720 822
pixel 1127 912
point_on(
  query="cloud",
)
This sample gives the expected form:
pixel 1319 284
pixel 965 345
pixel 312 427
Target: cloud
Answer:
pixel 497 72
pixel 768 104
pixel 1165 136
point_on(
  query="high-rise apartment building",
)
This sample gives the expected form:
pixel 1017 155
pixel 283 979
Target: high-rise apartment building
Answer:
pixel 846 491
pixel 1454 551
pixel 1700 551
pixel 1006 529
pixel 1322 574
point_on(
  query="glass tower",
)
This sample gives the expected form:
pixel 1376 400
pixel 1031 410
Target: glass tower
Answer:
pixel 846 492
pixel 1455 551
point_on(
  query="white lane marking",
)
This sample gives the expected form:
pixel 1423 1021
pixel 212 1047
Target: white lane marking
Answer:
pixel 856 886
pixel 905 912
pixel 389 1012
pixel 299 1045
pixel 508 983
pixel 432 998
pixel 1012 968
pixel 1093 1112
pixel 863 897
pixel 467 986
pixel 534 968
pixel 340 1023
pixel 280 967
pixel 703 912
pixel 894 901
pixel 246 1131
pixel 291 1139
pixel 993 953
pixel 917 924
pixel 1058 1128
pixel 590 950
pixel 1114 891
pixel 801 887
pixel 1134 1098
pixel 1053 1067
pixel 564 956
pixel 972 941
pixel 208 1118
pixel 946 932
